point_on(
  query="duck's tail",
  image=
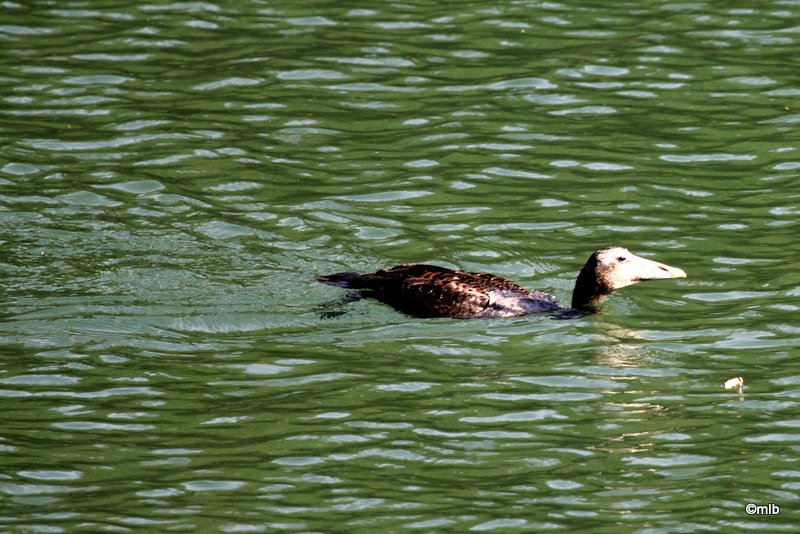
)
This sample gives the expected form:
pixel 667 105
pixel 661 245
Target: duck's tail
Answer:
pixel 348 280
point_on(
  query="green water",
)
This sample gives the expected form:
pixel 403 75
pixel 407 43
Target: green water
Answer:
pixel 174 176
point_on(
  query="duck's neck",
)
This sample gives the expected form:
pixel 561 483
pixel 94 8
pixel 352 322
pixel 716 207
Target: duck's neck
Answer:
pixel 588 289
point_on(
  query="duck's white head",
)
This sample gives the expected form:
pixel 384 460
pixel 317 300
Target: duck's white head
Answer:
pixel 613 268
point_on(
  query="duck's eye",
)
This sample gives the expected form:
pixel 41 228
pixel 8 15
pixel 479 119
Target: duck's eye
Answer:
pixel 621 259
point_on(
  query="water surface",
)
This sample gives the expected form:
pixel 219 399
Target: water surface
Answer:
pixel 173 177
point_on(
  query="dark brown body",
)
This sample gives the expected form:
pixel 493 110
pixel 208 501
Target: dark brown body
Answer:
pixel 431 291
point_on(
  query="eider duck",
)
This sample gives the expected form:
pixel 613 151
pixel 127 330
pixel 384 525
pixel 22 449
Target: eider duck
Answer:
pixel 430 291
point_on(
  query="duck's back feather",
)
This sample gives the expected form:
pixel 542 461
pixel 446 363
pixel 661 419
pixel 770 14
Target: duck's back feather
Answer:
pixel 431 291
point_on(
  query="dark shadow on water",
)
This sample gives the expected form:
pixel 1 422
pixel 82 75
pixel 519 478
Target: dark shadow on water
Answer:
pixel 571 313
pixel 336 308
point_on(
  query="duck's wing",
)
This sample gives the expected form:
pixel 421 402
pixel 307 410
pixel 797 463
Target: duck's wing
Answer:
pixel 430 291
pixel 444 293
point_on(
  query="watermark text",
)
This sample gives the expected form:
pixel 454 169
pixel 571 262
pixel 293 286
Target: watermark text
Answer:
pixel 762 509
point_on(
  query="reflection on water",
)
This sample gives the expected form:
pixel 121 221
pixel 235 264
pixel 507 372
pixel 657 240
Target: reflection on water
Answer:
pixel 173 178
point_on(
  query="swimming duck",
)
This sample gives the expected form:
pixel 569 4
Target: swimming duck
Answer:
pixel 430 291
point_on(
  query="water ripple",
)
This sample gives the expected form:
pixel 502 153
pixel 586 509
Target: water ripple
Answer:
pixel 175 176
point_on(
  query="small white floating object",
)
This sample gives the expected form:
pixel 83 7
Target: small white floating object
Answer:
pixel 737 382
